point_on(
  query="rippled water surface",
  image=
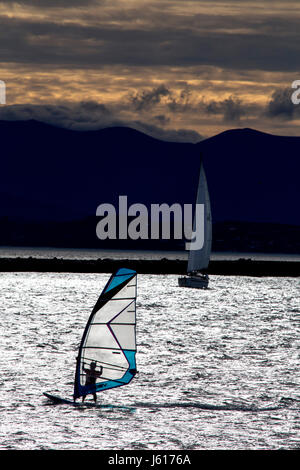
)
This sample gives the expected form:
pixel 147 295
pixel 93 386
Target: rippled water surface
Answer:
pixel 218 369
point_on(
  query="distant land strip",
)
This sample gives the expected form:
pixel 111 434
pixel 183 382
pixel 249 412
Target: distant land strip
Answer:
pixel 239 267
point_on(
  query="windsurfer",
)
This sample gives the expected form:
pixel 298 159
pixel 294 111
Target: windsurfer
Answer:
pixel 91 376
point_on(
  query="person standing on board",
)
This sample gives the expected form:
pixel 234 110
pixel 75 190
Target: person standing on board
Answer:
pixel 91 376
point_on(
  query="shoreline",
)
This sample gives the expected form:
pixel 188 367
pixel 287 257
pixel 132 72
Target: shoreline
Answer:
pixel 239 267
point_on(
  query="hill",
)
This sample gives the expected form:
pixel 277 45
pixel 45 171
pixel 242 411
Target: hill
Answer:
pixel 53 179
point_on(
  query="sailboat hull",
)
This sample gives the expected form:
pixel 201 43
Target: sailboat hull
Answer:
pixel 195 282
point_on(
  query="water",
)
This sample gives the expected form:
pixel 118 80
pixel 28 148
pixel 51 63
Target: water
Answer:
pixel 218 369
pixel 90 254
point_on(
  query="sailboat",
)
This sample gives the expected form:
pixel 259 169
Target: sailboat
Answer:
pixel 106 356
pixel 198 260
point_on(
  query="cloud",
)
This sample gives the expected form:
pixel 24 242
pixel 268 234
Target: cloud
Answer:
pixel 162 119
pixel 45 4
pixel 142 36
pixel 281 105
pixel 199 66
pixel 170 135
pixel 79 116
pixel 147 99
pixel 232 109
pixel 93 116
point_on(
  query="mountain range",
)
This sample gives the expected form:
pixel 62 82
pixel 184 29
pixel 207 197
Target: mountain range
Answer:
pixel 53 179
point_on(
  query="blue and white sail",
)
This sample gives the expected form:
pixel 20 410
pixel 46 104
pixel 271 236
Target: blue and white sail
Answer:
pixel 109 339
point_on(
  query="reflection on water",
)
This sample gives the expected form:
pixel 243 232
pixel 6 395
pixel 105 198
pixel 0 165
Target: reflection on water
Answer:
pixel 217 369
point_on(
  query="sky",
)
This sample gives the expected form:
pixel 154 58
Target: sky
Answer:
pixel 180 70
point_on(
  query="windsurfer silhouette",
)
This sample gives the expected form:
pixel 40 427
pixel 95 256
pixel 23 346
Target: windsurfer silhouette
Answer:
pixel 91 375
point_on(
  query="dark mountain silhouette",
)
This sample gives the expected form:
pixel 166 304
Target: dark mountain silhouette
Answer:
pixel 253 176
pixel 52 180
pixel 62 174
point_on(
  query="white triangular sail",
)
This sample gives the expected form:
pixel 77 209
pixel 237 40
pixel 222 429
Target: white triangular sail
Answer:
pixel 199 259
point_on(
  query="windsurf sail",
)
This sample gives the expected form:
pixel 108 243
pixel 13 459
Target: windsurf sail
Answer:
pixel 106 356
